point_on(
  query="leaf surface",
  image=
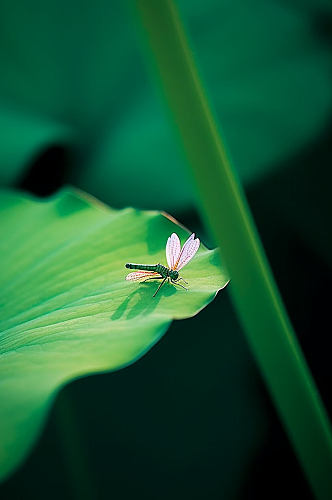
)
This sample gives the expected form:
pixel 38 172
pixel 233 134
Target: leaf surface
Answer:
pixel 66 309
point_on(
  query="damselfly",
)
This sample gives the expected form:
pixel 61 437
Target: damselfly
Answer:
pixel 176 257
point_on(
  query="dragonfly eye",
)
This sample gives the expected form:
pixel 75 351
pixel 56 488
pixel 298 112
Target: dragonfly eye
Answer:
pixel 174 275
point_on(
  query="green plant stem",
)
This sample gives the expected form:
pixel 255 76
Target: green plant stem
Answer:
pixel 226 212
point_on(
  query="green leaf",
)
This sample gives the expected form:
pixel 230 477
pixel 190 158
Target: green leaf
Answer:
pixel 66 309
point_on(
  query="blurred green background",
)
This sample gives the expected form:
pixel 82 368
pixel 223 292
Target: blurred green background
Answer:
pixel 79 104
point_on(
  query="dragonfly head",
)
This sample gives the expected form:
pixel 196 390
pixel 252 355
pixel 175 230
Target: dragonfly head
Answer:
pixel 174 275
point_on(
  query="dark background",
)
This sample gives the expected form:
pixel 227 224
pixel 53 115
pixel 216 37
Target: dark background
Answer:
pixel 192 418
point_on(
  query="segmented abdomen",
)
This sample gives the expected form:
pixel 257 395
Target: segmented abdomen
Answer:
pixel 157 268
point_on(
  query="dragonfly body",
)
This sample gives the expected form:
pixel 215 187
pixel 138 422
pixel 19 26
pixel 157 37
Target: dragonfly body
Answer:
pixel 176 259
pixel 158 268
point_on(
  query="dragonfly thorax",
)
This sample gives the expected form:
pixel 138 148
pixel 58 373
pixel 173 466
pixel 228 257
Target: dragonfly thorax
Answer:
pixel 166 272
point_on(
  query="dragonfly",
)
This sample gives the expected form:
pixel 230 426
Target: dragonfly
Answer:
pixel 177 258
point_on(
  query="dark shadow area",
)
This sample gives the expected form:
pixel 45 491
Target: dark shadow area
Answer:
pixel 47 173
pixel 141 300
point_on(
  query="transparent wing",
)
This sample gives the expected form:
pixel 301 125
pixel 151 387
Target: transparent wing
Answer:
pixel 188 251
pixel 141 275
pixel 173 248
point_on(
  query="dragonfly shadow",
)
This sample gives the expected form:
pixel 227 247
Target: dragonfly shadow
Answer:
pixel 141 301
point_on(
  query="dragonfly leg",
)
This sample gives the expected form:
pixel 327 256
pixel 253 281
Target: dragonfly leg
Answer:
pixel 159 287
pixel 178 284
pixel 153 278
pixel 186 282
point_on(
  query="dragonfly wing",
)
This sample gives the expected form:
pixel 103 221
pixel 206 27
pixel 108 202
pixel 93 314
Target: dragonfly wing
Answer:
pixel 173 248
pixel 141 275
pixel 188 251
